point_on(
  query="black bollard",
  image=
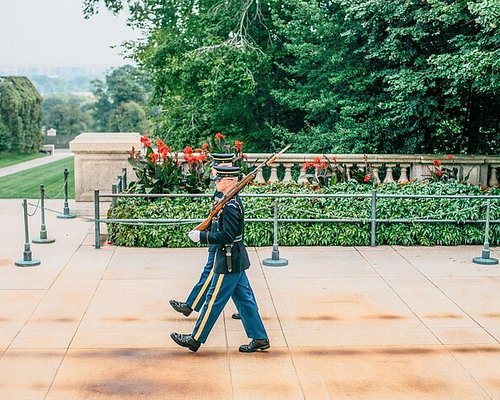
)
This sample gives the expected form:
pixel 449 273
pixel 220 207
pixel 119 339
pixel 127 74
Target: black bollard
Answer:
pixel 485 258
pixel 66 213
pixel 27 261
pixel 43 229
pixel 275 260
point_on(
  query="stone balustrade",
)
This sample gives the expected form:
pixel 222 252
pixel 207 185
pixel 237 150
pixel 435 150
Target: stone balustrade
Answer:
pixel 100 157
pixel 477 170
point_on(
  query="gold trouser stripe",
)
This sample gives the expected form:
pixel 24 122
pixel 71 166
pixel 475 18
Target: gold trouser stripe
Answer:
pixel 203 288
pixel 210 305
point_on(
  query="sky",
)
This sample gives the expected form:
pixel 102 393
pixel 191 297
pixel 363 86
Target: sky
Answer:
pixel 54 33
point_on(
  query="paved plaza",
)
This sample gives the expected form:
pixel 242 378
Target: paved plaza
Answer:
pixel 383 323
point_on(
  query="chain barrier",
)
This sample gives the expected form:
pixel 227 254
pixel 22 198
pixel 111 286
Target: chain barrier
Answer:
pixel 37 206
pixel 58 194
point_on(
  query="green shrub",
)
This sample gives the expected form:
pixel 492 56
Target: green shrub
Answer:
pixel 322 234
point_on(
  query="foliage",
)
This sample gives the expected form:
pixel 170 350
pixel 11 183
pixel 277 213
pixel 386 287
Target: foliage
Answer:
pixel 323 234
pixel 121 100
pixel 162 171
pixel 20 115
pixel 128 117
pixel 369 76
pixel 321 172
pixel 157 172
pixel 68 114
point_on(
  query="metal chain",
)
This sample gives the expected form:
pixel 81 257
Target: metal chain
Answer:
pixel 60 191
pixel 36 208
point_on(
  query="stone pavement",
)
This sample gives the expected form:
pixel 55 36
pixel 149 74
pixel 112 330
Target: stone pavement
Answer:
pixel 344 322
pixel 58 154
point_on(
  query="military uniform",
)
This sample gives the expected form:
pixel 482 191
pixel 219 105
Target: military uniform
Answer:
pixel 196 297
pixel 229 278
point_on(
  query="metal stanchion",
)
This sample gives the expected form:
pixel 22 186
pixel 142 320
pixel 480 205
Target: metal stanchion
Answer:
pixel 114 190
pixel 124 179
pixel 275 260
pixel 97 226
pixel 373 239
pixel 27 261
pixel 43 229
pixel 66 214
pixel 485 258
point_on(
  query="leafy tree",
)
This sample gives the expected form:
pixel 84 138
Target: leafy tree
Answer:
pixel 20 115
pixel 69 115
pixel 123 85
pixel 128 117
pixel 326 75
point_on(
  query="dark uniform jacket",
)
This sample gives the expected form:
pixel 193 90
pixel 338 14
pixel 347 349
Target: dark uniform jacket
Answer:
pixel 228 229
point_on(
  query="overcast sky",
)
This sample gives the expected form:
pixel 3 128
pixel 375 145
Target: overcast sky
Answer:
pixel 54 32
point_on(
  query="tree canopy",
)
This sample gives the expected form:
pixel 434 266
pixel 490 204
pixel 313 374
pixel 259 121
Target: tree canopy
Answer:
pixel 20 115
pixel 392 76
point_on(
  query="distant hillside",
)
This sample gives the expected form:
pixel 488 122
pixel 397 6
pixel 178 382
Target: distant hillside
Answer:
pixel 58 80
pixel 47 85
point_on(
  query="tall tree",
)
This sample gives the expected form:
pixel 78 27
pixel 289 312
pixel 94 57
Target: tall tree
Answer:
pixel 123 85
pixel 327 75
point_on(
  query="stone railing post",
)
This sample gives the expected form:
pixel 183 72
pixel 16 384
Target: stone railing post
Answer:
pixel 288 173
pixel 404 176
pixel 376 176
pixel 274 173
pixel 388 175
pixel 493 182
pixel 99 157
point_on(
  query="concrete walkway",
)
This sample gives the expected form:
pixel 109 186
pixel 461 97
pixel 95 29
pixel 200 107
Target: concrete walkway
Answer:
pixel 344 322
pixel 58 154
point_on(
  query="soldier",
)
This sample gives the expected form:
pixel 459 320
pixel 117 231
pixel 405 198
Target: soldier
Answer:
pixel 196 297
pixel 229 280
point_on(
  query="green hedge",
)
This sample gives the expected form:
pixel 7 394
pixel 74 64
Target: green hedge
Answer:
pixel 20 115
pixel 321 234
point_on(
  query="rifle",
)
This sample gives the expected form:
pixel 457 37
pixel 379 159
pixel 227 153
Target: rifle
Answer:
pixel 204 225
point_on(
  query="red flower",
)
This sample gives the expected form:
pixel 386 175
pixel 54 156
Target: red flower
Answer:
pixel 321 165
pixel 205 146
pixel 220 136
pixel 449 156
pixel 145 141
pixel 307 165
pixel 160 143
pixel 163 151
pixel 367 178
pixel 162 148
pixel 439 172
pixel 188 150
pixel 202 157
pixel 154 157
pixel 317 160
pixel 437 163
pixel 238 146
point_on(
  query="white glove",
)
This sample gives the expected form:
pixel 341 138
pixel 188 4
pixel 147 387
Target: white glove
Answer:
pixel 194 236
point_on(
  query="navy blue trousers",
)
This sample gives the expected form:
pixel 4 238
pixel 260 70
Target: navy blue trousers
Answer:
pixel 222 287
pixel 197 296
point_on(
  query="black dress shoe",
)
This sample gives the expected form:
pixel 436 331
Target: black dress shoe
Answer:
pixel 254 345
pixel 235 316
pixel 181 307
pixel 185 341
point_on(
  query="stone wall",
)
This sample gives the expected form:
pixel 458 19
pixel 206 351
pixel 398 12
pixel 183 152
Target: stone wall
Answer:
pixel 100 158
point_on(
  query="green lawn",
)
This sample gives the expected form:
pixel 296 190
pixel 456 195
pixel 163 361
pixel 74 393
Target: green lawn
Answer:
pixel 26 184
pixel 7 159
